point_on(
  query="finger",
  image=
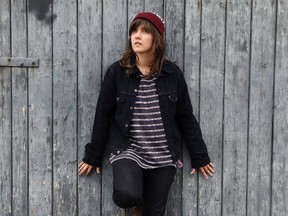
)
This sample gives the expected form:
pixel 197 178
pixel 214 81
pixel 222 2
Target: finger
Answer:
pixel 193 171
pixel 98 170
pixel 81 170
pixel 80 167
pixel 211 164
pixel 88 170
pixel 80 164
pixel 208 171
pixel 202 170
pixel 211 168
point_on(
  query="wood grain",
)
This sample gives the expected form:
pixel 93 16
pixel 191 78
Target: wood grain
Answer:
pixel 65 108
pixel 5 113
pixel 280 126
pixel 236 107
pixel 19 112
pixel 40 115
pixel 261 106
pixel 174 34
pixel 115 34
pixel 211 101
pixel 191 70
pixel 89 80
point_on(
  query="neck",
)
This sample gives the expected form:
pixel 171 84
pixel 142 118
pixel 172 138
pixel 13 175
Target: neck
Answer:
pixel 143 62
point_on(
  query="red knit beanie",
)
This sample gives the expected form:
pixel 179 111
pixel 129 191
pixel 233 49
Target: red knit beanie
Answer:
pixel 154 19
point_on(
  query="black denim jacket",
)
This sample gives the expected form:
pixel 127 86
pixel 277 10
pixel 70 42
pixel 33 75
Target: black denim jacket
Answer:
pixel 115 107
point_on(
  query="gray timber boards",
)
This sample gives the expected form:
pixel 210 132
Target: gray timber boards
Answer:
pixel 280 126
pixel 40 116
pixel 234 57
pixel 192 75
pixel 261 106
pixel 5 113
pixel 114 41
pixel 236 106
pixel 175 45
pixel 89 81
pixel 65 108
pixel 211 81
pixel 19 112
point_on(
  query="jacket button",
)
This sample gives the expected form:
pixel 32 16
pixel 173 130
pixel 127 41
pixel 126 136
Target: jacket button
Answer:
pixel 131 107
pixel 126 125
pixel 118 152
pixel 135 90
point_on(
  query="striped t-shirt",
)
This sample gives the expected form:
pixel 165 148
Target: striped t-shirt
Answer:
pixel 146 135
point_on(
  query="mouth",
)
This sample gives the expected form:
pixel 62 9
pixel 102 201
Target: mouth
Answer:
pixel 137 43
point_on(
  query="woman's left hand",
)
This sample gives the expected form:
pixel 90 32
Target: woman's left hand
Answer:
pixel 206 171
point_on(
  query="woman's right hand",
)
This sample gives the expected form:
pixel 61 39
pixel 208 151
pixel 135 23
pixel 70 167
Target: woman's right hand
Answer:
pixel 86 168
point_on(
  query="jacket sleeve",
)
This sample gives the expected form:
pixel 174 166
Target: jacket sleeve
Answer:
pixel 189 127
pixel 104 111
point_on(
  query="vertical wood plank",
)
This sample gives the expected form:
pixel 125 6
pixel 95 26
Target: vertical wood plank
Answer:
pixel 5 113
pixel 174 44
pixel 236 107
pixel 114 17
pixel 280 139
pixel 211 101
pixel 19 111
pixel 64 107
pixel 89 79
pixel 40 108
pixel 155 7
pixel 115 34
pixel 191 72
pixel 261 103
pixel 134 7
pixel 174 32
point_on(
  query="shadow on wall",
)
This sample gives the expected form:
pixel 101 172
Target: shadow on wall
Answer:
pixel 40 8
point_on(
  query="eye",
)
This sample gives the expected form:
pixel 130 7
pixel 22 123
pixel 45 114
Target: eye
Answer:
pixel 133 31
pixel 145 30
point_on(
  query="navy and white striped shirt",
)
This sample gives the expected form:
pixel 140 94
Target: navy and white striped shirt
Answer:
pixel 147 139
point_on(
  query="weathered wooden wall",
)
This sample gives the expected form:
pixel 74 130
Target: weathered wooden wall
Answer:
pixel 234 57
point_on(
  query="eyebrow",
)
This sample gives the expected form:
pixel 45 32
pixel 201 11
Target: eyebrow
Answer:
pixel 143 27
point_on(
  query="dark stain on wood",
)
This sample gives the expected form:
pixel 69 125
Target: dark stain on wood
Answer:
pixel 41 8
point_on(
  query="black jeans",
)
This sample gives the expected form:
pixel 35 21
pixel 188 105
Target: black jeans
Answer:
pixel 134 186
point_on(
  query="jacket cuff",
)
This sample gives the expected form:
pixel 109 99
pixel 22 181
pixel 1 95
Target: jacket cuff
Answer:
pixel 92 161
pixel 200 162
pixel 91 157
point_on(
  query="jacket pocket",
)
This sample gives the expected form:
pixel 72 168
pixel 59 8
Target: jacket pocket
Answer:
pixel 120 107
pixel 120 98
pixel 172 103
pixel 173 98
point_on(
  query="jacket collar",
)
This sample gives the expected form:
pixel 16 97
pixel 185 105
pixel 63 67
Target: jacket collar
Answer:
pixel 166 67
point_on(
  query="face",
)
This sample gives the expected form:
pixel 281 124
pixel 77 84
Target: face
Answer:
pixel 141 40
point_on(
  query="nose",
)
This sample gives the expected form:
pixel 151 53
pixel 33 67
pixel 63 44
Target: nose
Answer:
pixel 137 34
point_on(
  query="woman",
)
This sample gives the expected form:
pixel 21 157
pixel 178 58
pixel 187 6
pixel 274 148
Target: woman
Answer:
pixel 144 110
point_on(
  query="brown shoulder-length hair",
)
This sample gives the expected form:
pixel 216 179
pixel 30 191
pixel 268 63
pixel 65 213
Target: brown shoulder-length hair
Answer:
pixel 158 48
